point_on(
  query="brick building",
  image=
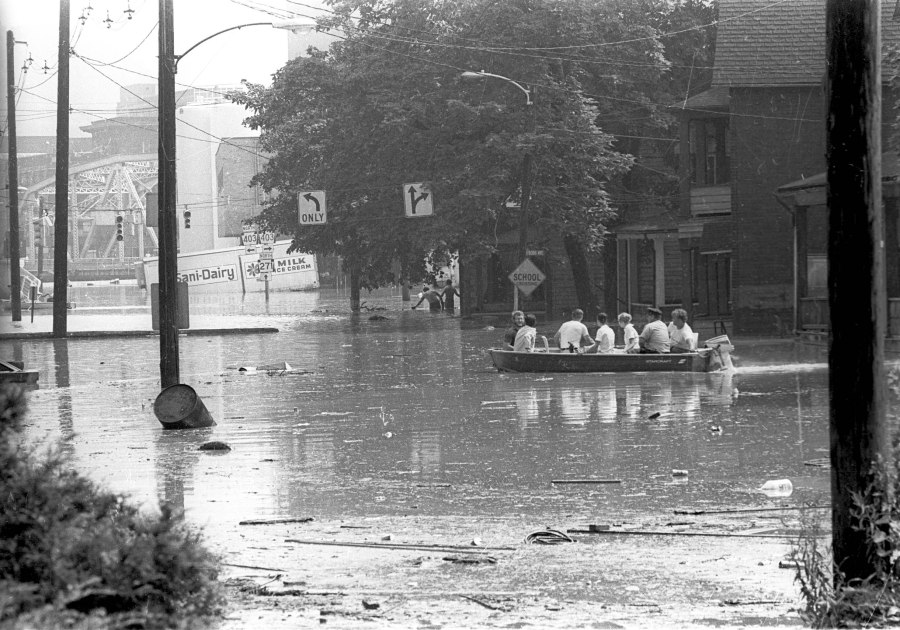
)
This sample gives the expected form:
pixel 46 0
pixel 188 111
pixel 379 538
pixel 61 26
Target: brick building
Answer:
pixel 728 253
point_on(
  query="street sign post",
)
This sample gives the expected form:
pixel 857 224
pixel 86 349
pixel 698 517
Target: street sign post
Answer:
pixel 266 263
pixel 311 209
pixel 418 200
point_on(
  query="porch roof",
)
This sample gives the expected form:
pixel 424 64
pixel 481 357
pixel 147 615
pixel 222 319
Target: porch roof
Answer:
pixel 810 191
pixel 715 98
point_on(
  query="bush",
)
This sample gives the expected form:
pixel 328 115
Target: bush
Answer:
pixel 68 544
pixel 831 599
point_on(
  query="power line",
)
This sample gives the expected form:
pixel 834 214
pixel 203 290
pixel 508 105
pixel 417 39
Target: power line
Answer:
pixel 153 105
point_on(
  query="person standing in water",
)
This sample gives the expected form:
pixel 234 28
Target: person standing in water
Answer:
pixel 449 294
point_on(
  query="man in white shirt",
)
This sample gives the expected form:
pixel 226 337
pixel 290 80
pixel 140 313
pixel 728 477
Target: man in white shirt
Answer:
pixel 573 335
pixel 654 338
pixel 605 337
pixel 526 335
pixel 681 337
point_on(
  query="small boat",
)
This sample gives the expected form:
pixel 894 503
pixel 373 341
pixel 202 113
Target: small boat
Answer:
pixel 15 372
pixel 714 357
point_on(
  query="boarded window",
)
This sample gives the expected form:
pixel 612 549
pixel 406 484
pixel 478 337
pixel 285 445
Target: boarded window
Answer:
pixel 673 283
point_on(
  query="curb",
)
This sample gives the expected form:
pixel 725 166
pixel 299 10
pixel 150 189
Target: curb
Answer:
pixel 105 334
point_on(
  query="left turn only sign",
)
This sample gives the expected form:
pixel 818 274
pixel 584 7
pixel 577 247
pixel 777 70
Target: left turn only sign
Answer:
pixel 311 208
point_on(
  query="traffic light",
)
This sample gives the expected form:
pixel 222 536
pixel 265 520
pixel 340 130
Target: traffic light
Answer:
pixel 187 219
pixel 120 224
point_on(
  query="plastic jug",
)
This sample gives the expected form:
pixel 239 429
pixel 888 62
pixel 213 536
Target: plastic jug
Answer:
pixel 777 488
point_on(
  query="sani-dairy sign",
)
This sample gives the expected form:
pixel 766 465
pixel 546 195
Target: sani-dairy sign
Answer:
pixel 283 265
pixel 208 275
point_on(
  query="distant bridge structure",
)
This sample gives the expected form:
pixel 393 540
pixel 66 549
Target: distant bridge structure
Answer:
pixel 99 191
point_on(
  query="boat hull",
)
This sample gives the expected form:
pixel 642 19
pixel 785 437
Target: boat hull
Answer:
pixel 510 361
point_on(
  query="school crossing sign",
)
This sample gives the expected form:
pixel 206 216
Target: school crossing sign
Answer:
pixel 527 277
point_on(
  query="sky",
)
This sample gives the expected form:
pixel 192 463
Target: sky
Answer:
pixel 131 46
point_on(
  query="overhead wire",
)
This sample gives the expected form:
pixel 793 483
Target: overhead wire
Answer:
pixel 153 105
pixel 119 121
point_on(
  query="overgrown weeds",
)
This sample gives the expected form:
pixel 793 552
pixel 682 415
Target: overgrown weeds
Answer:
pixel 69 548
pixel 833 601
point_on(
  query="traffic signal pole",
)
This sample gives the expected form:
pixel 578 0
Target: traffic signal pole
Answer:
pixel 168 226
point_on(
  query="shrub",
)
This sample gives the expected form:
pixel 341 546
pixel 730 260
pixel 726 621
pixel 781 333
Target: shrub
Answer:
pixel 831 600
pixel 66 543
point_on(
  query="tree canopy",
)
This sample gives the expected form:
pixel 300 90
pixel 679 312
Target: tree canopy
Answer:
pixel 387 105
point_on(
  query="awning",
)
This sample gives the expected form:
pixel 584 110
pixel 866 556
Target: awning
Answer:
pixel 810 191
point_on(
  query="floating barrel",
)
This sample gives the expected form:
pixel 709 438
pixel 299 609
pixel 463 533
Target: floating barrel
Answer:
pixel 179 407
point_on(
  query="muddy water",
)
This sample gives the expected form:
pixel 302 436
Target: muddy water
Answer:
pixel 407 416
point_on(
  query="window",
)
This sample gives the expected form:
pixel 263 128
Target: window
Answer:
pixel 816 275
pixel 709 151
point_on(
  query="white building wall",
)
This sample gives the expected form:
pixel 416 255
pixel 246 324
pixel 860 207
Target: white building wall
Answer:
pixel 200 130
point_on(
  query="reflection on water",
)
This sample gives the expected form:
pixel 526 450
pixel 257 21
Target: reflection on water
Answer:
pixel 406 415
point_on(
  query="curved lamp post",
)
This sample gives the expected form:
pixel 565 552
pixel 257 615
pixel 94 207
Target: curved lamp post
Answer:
pixel 299 28
pixel 527 160
pixel 168 227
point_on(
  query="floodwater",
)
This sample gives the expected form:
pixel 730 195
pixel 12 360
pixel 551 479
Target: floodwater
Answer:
pixel 406 415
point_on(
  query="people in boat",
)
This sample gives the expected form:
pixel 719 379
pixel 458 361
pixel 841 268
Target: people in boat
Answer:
pixel 526 335
pixel 654 338
pixel 629 332
pixel 433 297
pixel 573 334
pixel 449 295
pixel 681 337
pixel 509 337
pixel 605 339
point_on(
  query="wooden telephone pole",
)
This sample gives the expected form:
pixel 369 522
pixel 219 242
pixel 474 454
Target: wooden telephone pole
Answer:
pixel 15 273
pixel 857 297
pixel 61 224
pixel 168 226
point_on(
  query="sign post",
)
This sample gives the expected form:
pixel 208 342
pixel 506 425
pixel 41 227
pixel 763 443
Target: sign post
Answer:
pixel 526 278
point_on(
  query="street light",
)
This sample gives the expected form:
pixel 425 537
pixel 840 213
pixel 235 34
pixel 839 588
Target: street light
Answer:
pixel 168 225
pixel 298 28
pixel 468 74
pixel 527 160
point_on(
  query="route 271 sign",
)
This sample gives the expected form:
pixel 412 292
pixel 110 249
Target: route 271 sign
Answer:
pixel 418 200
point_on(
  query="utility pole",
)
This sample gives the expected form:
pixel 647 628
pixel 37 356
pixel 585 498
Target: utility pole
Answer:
pixel 857 297
pixel 61 225
pixel 168 225
pixel 15 273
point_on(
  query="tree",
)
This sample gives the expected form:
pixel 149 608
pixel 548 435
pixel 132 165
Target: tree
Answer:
pixel 385 105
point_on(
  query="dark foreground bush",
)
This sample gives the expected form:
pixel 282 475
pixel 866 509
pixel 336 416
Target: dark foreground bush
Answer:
pixel 68 547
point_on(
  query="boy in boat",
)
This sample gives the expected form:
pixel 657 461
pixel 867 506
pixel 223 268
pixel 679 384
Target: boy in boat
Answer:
pixel 509 337
pixel 526 335
pixel 573 335
pixel 631 336
pixel 654 337
pixel 681 337
pixel 605 337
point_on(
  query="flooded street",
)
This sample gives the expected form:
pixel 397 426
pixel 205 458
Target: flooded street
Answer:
pixel 401 430
pixel 407 415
